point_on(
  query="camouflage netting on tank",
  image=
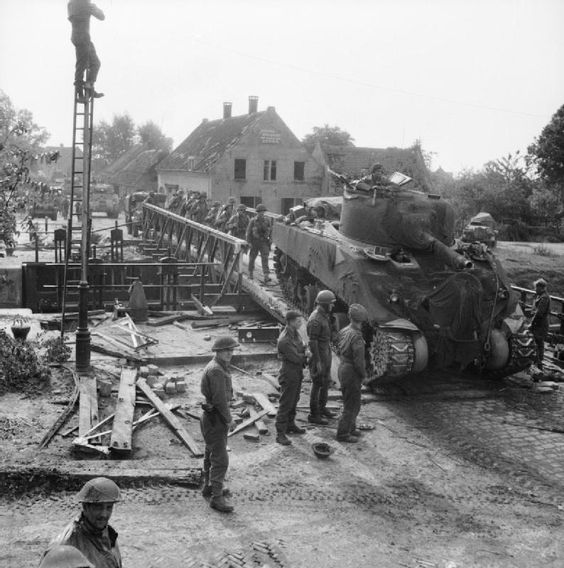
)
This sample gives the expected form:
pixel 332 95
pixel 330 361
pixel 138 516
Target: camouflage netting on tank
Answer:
pixel 456 307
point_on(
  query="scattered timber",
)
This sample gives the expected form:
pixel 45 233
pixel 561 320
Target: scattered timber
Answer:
pixel 65 415
pixel 248 422
pixel 260 425
pixel 204 310
pixel 88 405
pixel 263 401
pixel 122 430
pixel 171 420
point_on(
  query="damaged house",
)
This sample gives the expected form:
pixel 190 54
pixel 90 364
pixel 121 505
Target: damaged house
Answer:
pixel 254 157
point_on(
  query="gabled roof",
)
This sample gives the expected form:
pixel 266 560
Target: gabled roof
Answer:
pixel 355 161
pixel 208 142
pixel 135 169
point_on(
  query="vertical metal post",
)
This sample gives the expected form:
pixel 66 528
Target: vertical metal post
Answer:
pixel 82 332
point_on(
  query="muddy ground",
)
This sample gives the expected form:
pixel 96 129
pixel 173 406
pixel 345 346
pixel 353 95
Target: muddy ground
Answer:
pixel 444 479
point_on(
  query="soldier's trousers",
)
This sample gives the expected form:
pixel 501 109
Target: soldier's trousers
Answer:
pixel 264 249
pixel 320 386
pixel 290 380
pixel 351 385
pixel 539 336
pixel 216 458
pixel 86 60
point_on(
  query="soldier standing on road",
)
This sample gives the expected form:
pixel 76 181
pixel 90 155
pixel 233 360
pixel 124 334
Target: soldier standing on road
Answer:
pixel 90 532
pixel 319 333
pixel 217 388
pixel 292 351
pixel 259 231
pixel 237 225
pixel 539 323
pixel 352 372
pixel 79 13
pixel 200 209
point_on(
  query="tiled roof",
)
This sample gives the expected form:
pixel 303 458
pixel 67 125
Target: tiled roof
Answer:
pixel 355 162
pixel 117 165
pixel 208 142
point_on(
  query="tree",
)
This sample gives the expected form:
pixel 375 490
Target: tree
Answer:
pixel 20 141
pixel 151 135
pixel 327 135
pixel 110 141
pixel 547 152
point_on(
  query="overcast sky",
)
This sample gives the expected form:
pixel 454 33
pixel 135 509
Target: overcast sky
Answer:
pixel 473 80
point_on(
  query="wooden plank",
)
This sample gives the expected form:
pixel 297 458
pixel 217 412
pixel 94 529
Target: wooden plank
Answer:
pixel 260 425
pixel 210 323
pixel 271 379
pixel 88 406
pixel 171 420
pixel 122 429
pixel 248 422
pixel 262 399
pixel 204 310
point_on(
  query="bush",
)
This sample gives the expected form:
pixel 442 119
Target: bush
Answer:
pixel 55 350
pixel 543 250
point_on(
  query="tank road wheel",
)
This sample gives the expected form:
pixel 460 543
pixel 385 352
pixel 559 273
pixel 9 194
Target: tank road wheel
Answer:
pixel 392 354
pixel 522 353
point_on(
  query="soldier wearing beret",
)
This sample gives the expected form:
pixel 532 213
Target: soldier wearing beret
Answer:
pixel 218 391
pixel 292 352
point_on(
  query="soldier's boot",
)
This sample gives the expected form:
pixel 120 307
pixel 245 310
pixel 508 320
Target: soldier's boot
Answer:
pixel 327 413
pixel 293 428
pixel 317 419
pixel 218 501
pixel 282 439
pixel 349 438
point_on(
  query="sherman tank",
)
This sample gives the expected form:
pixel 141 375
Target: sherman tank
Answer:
pixel 433 302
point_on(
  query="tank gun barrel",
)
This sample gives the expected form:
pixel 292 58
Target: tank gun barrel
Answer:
pixel 448 256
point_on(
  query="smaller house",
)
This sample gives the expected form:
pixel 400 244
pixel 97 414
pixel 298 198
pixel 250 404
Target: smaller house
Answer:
pixel 356 162
pixel 135 170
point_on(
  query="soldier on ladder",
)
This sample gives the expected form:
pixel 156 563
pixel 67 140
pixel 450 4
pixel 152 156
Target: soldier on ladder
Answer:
pixel 79 12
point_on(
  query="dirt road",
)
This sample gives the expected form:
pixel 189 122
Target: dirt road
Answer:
pixel 398 498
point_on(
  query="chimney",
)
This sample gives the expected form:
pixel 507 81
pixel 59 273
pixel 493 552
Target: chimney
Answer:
pixel 226 110
pixel 253 105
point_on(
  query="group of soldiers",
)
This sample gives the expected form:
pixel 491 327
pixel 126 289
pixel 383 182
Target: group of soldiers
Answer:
pixel 230 218
pixel 89 541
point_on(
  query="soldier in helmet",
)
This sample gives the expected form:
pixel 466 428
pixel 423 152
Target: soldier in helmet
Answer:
pixel 212 213
pixel 539 322
pixel 352 372
pixel 90 532
pixel 319 332
pixel 225 214
pixel 64 556
pixel 237 225
pixel 292 352
pixel 258 235
pixel 217 389
pixel 200 209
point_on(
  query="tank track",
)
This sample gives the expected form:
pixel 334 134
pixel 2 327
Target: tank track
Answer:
pixel 522 354
pixel 392 354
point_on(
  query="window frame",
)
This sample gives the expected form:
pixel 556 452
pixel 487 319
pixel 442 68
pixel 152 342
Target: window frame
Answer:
pixel 238 162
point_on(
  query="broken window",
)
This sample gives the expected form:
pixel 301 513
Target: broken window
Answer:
pixel 270 170
pixel 299 171
pixel 240 169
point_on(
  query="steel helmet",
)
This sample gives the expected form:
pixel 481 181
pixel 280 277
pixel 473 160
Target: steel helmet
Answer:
pixel 65 556
pixel 292 315
pixel 241 206
pixel 99 490
pixel 540 282
pixel 357 313
pixel 224 342
pixel 261 207
pixel 231 200
pixel 325 297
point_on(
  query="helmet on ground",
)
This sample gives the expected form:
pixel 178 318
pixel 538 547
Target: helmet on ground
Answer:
pixel 357 313
pixel 99 490
pixel 325 297
pixel 65 556
pixel 541 282
pixel 322 450
pixel 224 342
pixel 292 315
pixel 261 207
